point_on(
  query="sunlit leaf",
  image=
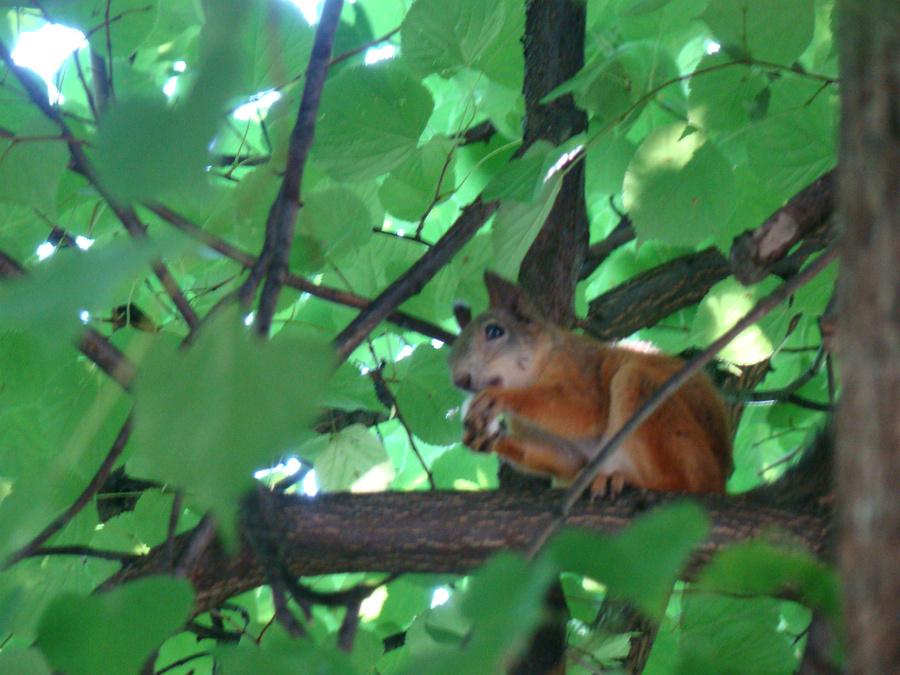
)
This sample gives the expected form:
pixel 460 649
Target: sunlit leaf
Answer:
pixel 354 460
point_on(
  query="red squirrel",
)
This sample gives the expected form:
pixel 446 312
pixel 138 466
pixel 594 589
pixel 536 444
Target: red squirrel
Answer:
pixel 562 395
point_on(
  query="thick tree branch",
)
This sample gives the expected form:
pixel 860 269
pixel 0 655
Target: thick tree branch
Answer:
pixel 400 532
pixel 754 252
pixel 274 260
pixel 472 218
pixel 868 433
pixel 653 295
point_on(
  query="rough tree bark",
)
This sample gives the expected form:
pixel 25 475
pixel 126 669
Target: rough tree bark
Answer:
pixel 868 466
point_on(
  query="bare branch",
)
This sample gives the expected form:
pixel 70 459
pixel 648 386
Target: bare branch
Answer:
pixel 273 261
pixel 472 218
pixel 400 532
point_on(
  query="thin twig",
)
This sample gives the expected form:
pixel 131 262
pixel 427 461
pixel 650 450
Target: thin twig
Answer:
pixel 400 319
pixel 472 218
pixel 86 552
pixel 378 379
pixel 83 499
pixel 763 307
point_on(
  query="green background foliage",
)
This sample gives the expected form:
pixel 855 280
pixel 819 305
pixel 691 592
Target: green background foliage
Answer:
pixel 704 117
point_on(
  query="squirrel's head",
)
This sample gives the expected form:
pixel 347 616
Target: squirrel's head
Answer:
pixel 500 347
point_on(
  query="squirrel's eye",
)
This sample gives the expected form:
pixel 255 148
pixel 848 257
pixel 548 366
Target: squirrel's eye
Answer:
pixel 492 331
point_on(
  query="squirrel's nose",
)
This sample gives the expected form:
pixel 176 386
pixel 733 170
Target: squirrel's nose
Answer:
pixel 463 381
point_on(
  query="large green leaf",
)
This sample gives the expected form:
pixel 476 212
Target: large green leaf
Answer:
pixel 208 417
pixel 679 188
pixel 425 178
pixel 115 632
pixel 728 96
pixel 501 607
pixel 771 30
pixel 332 222
pixel 370 120
pixel 286 658
pixel 426 397
pixel 439 37
pixel 761 568
pixel 31 165
pixel 643 562
pixel 354 460
pixel 23 662
pixel 71 281
pixel 734 635
pixel 121 25
pixel 147 149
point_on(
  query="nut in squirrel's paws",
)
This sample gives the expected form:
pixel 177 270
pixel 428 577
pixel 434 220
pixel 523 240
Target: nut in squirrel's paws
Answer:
pixel 481 423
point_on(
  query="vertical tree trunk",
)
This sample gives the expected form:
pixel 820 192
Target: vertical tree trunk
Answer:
pixel 868 467
pixel 554 52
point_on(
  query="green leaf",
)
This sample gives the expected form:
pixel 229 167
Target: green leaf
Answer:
pixel 771 30
pixel 171 144
pixel 411 188
pixel 207 418
pixel 722 307
pixel 286 658
pixel 522 178
pixel 23 662
pixel 440 37
pixel 134 19
pixel 370 120
pixel 517 224
pixel 679 189
pixel 279 40
pixel 31 165
pixel 761 568
pixel 728 98
pixel 332 222
pixel 503 604
pixel 354 460
pixel 115 632
pixel 426 397
pixel 796 143
pixel 741 636
pixel 643 562
pixel 71 281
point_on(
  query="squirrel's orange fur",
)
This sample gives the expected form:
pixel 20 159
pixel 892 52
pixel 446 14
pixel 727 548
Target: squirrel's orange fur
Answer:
pixel 562 395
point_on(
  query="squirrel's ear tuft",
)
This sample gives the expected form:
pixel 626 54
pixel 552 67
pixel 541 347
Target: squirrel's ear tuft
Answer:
pixel 506 295
pixel 463 313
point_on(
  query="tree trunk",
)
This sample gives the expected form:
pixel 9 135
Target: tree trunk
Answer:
pixel 868 466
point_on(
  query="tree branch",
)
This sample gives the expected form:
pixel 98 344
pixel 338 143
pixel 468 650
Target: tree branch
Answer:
pixel 472 218
pixel 273 261
pixel 421 532
pixel 400 319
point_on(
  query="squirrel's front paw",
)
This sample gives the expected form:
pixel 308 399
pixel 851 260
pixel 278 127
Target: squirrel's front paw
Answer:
pixel 607 484
pixel 481 425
